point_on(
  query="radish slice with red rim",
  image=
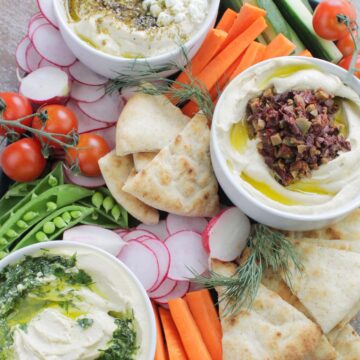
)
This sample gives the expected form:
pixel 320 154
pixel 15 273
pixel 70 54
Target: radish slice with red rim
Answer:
pixel 86 93
pixel 97 236
pixel 163 255
pixel 144 237
pixel 47 85
pixel 121 232
pixel 133 234
pixel 86 76
pixel 165 288
pixel 47 9
pixel 90 182
pixel 180 290
pixel 159 229
pixel 49 44
pixel 35 16
pixel 176 223
pixel 21 54
pixel 36 24
pixel 107 109
pixel 108 133
pixel 33 58
pixel 44 63
pixel 142 261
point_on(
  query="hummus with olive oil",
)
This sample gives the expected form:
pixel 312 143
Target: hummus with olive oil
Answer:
pixel 136 28
pixel 332 184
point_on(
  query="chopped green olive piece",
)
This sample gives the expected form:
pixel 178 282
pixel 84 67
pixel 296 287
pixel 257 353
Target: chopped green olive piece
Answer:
pixel 40 236
pixel 49 228
pixel 29 216
pixel 97 199
pixel 108 203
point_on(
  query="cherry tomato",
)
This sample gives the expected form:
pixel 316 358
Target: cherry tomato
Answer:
pixel 16 107
pixel 325 21
pixel 89 150
pixel 346 61
pixel 346 44
pixel 23 161
pixel 61 120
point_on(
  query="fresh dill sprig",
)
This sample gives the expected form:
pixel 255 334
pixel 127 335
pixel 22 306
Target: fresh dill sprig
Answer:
pixel 266 248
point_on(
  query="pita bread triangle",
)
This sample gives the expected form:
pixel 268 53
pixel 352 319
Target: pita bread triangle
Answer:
pixel 148 123
pixel 347 245
pixel 115 171
pixel 329 277
pixel 141 160
pixel 271 329
pixel 180 179
pixel 346 342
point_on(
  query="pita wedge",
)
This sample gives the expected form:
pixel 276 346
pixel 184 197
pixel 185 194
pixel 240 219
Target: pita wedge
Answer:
pixel 141 160
pixel 346 342
pixel 271 329
pixel 329 276
pixel 347 245
pixel 148 123
pixel 115 171
pixel 180 179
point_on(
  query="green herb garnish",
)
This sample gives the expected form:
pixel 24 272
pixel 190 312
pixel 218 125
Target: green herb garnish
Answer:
pixel 266 248
pixel 85 323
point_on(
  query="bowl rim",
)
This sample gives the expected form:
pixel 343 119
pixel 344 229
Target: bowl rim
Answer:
pixel 341 210
pixel 213 12
pixel 31 249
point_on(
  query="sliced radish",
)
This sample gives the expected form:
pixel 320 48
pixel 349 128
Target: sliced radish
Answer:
pixel 165 288
pixel 159 229
pixel 176 223
pixel 82 180
pixel 121 232
pixel 108 133
pixel 134 234
pixel 21 54
pixel 86 93
pixel 226 234
pixel 86 76
pixel 47 9
pixel 47 85
pixel 144 238
pixel 97 236
pixel 35 16
pixel 142 261
pixel 44 63
pixel 49 44
pixel 180 290
pixel 33 58
pixel 187 255
pixel 107 109
pixel 36 23
pixel 163 255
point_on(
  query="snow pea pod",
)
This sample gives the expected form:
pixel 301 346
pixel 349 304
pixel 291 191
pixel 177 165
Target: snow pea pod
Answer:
pixel 9 207
pixel 37 209
pixel 52 227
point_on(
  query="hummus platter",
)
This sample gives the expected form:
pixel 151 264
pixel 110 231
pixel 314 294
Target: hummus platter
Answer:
pixel 208 215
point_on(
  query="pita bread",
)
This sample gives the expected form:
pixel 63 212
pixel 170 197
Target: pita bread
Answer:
pixel 115 171
pixel 141 160
pixel 148 123
pixel 271 329
pixel 180 180
pixel 347 245
pixel 329 277
pixel 346 342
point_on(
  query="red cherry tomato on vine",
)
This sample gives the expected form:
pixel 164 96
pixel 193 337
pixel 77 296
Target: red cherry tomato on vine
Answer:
pixel 22 160
pixel 90 149
pixel 61 120
pixel 346 44
pixel 325 21
pixel 16 106
pixel 346 61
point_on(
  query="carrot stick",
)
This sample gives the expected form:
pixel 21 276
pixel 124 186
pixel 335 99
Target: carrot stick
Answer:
pixel 161 353
pixel 254 54
pixel 227 20
pixel 190 334
pixel 174 345
pixel 247 15
pixel 208 50
pixel 280 46
pixel 211 74
pixel 306 53
pixel 203 311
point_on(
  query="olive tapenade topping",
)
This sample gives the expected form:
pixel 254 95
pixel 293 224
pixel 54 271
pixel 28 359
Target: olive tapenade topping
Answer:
pixel 296 131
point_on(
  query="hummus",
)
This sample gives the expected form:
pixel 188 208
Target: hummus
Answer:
pixel 74 313
pixel 331 185
pixel 136 28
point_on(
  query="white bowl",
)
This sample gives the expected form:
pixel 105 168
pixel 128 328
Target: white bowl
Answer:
pixel 253 207
pixel 110 66
pixel 18 255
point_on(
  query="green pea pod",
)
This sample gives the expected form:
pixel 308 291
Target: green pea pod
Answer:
pixel 36 210
pixel 10 204
pixel 97 218
pixel 37 233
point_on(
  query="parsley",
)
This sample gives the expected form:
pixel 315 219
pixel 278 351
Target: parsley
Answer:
pixel 85 323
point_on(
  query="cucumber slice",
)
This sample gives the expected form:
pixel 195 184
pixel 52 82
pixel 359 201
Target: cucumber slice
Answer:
pixel 300 18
